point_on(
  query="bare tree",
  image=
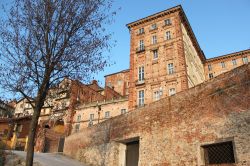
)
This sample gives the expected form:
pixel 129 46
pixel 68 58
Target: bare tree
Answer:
pixel 43 41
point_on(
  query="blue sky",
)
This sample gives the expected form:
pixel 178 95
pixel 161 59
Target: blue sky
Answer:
pixel 220 26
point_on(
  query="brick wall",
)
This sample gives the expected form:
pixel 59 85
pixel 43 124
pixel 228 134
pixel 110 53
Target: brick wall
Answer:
pixel 172 130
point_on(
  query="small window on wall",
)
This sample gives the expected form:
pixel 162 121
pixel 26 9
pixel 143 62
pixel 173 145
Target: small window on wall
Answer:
pixel 245 60
pixel 172 91
pixel 155 54
pixel 78 118
pixel 234 62
pixel 91 117
pixel 109 84
pixel 141 98
pixel 141 31
pixel 223 64
pixel 167 22
pixel 157 95
pixel 107 114
pixel 209 67
pixel 153 26
pixel 210 75
pixel 141 73
pixel 154 39
pixel 219 153
pixel 77 127
pixel 170 68
pixel 141 45
pixel 123 111
pixel 168 35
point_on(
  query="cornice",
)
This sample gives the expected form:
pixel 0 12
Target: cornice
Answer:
pixel 154 16
pixel 234 54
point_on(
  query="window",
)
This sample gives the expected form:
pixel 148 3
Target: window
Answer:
pixel 141 74
pixel 168 35
pixel 209 67
pixel 234 62
pixel 141 45
pixel 171 91
pixel 167 22
pixel 91 117
pixel 78 118
pixel 77 127
pixel 141 98
pixel 119 82
pixel 157 95
pixel 223 64
pixel 155 54
pixel 153 26
pixel 170 68
pixel 141 31
pixel 154 39
pixel 220 153
pixel 109 84
pixel 210 75
pixel 245 60
pixel 123 111
pixel 107 114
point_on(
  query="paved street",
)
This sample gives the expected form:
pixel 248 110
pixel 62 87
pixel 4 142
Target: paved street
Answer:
pixel 52 159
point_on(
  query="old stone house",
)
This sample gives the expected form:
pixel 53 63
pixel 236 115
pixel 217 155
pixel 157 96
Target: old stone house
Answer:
pixel 182 108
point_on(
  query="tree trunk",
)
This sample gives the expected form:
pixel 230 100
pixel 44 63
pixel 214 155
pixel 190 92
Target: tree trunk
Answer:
pixel 32 134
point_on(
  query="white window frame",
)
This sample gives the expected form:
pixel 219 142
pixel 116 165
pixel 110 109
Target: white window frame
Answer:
pixel 141 31
pixel 153 26
pixel 78 118
pixel 77 127
pixel 154 39
pixel 123 111
pixel 223 65
pixel 157 95
pixel 141 95
pixel 141 73
pixel 107 114
pixel 141 45
pixel 167 22
pixel 245 60
pixel 234 62
pixel 171 91
pixel 91 117
pixel 168 35
pixel 155 54
pixel 209 67
pixel 170 68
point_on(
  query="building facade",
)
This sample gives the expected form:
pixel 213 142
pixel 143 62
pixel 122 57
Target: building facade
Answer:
pixel 221 64
pixel 87 115
pixel 165 57
pixel 119 82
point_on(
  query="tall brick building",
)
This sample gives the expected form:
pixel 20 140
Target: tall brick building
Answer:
pixel 165 57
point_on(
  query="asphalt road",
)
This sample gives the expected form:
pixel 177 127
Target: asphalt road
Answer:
pixel 51 159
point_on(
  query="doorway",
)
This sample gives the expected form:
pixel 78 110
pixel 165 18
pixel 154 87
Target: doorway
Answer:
pixel 132 153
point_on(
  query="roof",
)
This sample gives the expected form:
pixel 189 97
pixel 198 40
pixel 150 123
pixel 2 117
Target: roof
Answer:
pixel 239 53
pixel 154 16
pixel 123 71
pixel 184 20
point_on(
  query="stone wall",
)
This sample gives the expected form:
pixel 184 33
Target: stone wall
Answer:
pixel 173 130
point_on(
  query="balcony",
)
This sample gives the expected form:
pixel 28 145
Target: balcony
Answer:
pixel 140 49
